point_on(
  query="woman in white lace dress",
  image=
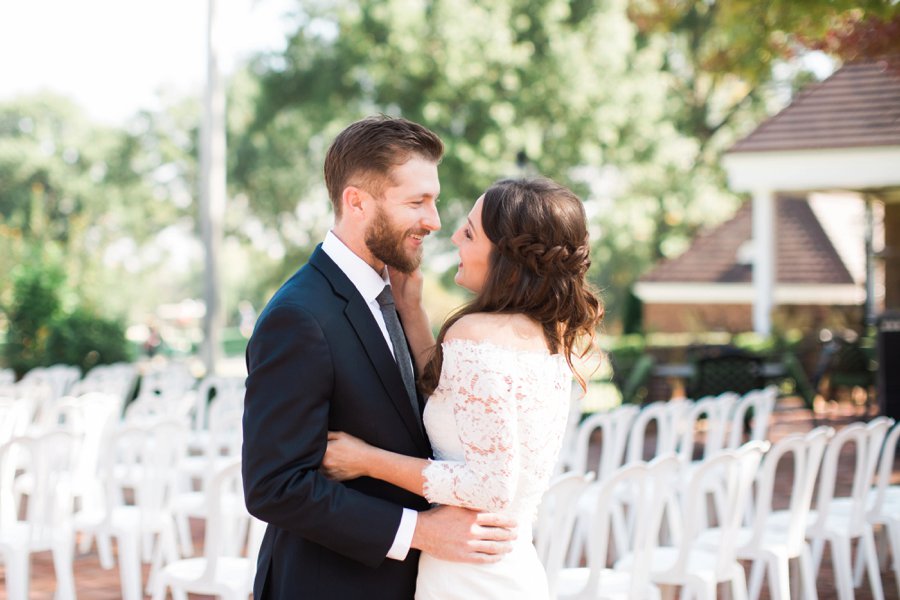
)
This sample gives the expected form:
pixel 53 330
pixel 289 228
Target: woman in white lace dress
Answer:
pixel 498 381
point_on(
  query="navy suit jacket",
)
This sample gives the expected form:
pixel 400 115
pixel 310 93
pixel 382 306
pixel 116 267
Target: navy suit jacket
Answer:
pixel 317 361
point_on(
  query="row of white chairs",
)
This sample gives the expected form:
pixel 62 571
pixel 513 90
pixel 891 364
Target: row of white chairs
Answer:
pixel 140 479
pixel 677 423
pixel 653 549
pixel 197 449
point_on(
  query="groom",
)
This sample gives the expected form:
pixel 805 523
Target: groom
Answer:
pixel 322 358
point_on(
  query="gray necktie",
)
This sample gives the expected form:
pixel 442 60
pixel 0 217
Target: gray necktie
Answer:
pixel 398 341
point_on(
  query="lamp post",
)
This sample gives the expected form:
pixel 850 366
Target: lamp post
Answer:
pixel 212 191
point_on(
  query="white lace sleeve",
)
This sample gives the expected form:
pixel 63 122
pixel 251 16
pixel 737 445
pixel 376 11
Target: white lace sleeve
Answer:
pixel 485 413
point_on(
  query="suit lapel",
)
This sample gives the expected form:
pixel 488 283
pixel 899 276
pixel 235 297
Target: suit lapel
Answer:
pixel 360 317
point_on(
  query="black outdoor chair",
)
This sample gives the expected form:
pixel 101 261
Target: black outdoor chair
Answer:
pixel 719 369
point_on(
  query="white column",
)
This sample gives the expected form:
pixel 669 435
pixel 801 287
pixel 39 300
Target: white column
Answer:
pixel 763 260
pixel 212 191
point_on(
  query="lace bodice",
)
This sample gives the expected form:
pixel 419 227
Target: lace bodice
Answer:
pixel 496 422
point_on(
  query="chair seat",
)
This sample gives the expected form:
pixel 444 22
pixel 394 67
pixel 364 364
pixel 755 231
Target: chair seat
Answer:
pixel 232 573
pixel 20 536
pixel 699 562
pixel 614 585
pixel 838 521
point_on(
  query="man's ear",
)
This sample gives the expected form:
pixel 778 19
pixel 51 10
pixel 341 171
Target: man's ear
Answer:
pixel 353 201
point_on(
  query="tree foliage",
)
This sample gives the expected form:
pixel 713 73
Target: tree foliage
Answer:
pixel 567 89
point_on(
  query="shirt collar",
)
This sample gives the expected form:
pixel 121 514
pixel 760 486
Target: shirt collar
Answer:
pixel 367 280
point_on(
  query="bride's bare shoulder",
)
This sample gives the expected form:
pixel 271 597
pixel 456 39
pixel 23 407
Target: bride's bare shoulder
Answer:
pixel 509 330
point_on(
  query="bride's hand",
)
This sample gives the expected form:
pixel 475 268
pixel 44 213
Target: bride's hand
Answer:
pixel 345 457
pixel 407 290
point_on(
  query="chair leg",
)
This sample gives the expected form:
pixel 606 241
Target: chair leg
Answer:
pixel 62 553
pixel 892 528
pixel 843 571
pixel 184 535
pixel 807 576
pixel 159 586
pixel 779 578
pixel 757 572
pixel 84 544
pixel 18 567
pixel 129 545
pixel 104 550
pixel 738 586
pixel 818 549
pixel 867 554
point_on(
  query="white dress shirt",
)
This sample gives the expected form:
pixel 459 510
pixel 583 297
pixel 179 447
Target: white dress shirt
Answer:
pixel 369 283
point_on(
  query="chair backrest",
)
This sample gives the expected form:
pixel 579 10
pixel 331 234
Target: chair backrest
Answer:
pixel 867 439
pixel 49 459
pixel 210 389
pixel 567 450
pixel 7 376
pixel 729 474
pixel 717 412
pixel 614 426
pixel 759 404
pixel 885 470
pixel 638 489
pixel 806 453
pixel 15 417
pixel 227 521
pixel 226 433
pixel 117 380
pixel 555 520
pixel 666 416
pixel 145 458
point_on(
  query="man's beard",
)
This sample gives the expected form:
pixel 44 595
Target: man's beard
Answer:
pixel 385 242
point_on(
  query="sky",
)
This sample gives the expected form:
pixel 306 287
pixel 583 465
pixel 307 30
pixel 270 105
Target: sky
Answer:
pixel 114 57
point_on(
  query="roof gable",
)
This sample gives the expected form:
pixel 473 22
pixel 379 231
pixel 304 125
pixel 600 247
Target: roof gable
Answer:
pixel 858 106
pixel 804 253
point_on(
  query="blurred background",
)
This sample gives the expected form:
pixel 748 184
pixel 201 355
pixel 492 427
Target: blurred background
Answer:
pixel 104 255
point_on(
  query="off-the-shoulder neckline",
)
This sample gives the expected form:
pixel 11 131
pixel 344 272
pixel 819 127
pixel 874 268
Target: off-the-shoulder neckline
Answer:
pixel 502 348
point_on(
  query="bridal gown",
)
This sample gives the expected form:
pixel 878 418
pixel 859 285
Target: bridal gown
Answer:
pixel 496 422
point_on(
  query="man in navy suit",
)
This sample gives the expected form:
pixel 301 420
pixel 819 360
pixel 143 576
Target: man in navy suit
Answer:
pixel 320 359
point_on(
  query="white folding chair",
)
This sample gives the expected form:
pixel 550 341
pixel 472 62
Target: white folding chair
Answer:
pixel 715 413
pixel 222 444
pixel 884 501
pixel 614 427
pixel 839 521
pixel 772 538
pixel 687 564
pixel 228 565
pixel 759 403
pixel 141 466
pixel 555 522
pixel 49 460
pixel 637 487
pixel 666 417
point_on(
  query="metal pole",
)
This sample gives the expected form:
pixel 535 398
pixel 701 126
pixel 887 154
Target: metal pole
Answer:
pixel 870 318
pixel 764 251
pixel 212 192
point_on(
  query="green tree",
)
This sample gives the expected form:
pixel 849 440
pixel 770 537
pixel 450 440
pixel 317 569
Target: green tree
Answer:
pixel 565 89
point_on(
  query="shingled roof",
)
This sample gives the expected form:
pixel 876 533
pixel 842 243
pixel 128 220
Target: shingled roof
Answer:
pixel 804 254
pixel 858 106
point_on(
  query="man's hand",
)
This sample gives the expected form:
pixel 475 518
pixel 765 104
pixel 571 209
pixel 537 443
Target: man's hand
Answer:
pixel 462 535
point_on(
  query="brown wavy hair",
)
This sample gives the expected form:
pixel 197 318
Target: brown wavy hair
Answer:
pixel 539 257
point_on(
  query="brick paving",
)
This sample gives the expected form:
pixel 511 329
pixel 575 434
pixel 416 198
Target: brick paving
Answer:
pixel 95 583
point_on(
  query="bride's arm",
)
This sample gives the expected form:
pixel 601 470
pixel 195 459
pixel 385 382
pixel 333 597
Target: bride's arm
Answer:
pixel 348 457
pixel 407 289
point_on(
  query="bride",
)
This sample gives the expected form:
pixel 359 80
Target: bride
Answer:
pixel 498 381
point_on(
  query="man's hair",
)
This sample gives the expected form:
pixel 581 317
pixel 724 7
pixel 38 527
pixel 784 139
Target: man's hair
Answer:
pixel 365 152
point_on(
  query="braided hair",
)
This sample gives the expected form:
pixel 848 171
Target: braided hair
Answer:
pixel 539 258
